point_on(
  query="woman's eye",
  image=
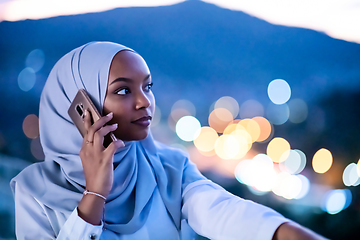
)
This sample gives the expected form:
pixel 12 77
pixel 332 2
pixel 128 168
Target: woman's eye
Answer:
pixel 123 91
pixel 149 86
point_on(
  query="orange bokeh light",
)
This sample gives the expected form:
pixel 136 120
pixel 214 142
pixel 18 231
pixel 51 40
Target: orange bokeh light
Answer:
pixel 219 119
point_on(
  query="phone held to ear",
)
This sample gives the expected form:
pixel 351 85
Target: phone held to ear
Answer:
pixel 76 111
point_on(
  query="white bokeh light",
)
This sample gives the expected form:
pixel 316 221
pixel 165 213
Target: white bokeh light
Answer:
pixel 26 79
pixel 305 186
pixel 293 161
pixel 35 59
pixel 336 200
pixel 277 114
pixel 187 128
pixel 350 175
pixel 279 91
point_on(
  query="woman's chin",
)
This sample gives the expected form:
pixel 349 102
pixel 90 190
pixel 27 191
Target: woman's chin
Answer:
pixel 134 137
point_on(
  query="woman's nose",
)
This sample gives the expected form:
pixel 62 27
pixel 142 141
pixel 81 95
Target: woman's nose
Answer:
pixel 142 100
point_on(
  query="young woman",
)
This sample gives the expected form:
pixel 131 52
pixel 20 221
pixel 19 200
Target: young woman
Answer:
pixel 135 188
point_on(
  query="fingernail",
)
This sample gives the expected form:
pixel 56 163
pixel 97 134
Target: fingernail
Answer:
pixel 85 112
pixel 115 125
pixel 109 114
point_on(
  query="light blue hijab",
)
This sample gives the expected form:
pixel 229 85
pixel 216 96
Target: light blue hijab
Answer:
pixel 139 168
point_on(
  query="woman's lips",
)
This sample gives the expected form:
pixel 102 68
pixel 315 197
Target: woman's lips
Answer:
pixel 144 121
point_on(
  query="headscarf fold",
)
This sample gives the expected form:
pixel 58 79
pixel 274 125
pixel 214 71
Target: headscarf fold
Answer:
pixel 139 168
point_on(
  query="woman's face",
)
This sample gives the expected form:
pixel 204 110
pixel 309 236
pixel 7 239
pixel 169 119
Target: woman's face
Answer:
pixel 129 96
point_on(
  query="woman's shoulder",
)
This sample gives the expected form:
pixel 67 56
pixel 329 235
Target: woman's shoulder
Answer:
pixel 33 178
pixel 29 178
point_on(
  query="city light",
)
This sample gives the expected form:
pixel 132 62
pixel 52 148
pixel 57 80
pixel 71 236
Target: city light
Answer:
pixel 292 161
pixel 35 60
pixel 228 103
pixel 279 91
pixel 205 142
pixel 277 114
pixel 26 79
pixel 298 110
pixel 252 127
pixel 266 129
pixel 322 161
pixel 251 108
pixel 30 126
pixel 350 175
pixel 219 118
pixel 187 128
pixel 276 149
pixel 336 200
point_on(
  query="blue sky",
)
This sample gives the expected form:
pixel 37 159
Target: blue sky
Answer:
pixel 337 18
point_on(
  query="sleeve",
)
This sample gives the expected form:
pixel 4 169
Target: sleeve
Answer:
pixel 215 213
pixel 33 220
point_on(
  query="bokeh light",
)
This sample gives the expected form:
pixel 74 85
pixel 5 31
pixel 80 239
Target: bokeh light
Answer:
pixel 228 103
pixel 277 149
pixel 298 110
pixel 336 200
pixel 205 142
pixel 322 160
pixel 350 175
pixel 252 127
pixel 219 118
pixel 185 106
pixel 30 126
pixel 227 146
pixel 277 114
pixel 232 127
pixel 266 129
pixel 26 79
pixel 36 149
pixel 305 186
pixel 279 91
pixel 251 108
pixel 35 60
pixel 263 176
pixel 187 128
pixel 243 171
pixel 244 142
pixel 287 185
pixel 292 161
pixel 180 109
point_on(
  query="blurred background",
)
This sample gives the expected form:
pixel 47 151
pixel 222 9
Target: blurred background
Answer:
pixel 263 95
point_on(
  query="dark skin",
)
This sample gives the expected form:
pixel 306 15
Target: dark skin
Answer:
pixel 128 107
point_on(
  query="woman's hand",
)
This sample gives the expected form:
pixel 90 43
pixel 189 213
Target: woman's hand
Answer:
pixel 97 163
pixel 97 160
pixel 294 231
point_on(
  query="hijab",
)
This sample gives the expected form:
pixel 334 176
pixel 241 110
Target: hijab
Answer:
pixel 139 168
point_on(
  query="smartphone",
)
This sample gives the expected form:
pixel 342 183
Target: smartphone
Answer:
pixel 76 111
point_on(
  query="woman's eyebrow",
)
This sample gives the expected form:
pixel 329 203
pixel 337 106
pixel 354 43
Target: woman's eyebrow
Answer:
pixel 147 77
pixel 123 79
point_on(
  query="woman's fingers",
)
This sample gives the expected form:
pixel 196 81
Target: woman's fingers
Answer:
pixel 98 125
pixel 102 132
pixel 87 120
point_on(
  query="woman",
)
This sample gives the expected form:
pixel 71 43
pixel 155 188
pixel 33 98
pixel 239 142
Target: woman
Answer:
pixel 135 188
